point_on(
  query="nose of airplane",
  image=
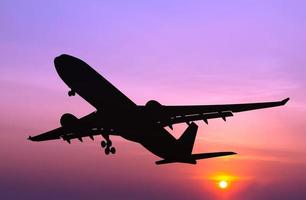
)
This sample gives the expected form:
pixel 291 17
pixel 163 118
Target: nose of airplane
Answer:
pixel 67 67
pixel 60 62
pixel 57 60
pixel 57 63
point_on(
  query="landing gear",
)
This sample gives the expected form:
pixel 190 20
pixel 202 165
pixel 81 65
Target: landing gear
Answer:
pixel 107 151
pixel 103 144
pixel 71 93
pixel 107 144
pixel 113 150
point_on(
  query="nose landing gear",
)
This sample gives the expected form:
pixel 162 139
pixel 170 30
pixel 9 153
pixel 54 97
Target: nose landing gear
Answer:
pixel 71 93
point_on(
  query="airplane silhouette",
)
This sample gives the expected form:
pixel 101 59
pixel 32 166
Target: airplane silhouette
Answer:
pixel 116 114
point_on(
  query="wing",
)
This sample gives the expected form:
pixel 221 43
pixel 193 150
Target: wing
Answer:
pixel 62 133
pixel 50 135
pixel 87 126
pixel 179 114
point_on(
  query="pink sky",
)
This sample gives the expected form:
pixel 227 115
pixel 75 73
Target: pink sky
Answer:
pixel 177 53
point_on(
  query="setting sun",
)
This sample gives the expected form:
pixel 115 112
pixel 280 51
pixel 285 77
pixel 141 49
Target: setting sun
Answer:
pixel 223 184
pixel 223 181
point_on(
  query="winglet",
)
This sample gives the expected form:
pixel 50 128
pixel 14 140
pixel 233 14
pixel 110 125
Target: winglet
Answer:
pixel 285 101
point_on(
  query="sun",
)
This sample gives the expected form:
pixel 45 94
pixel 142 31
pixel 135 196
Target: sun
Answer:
pixel 223 184
pixel 223 181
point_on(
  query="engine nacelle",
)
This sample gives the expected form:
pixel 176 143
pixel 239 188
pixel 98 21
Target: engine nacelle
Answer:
pixel 68 120
pixel 153 105
pixel 154 109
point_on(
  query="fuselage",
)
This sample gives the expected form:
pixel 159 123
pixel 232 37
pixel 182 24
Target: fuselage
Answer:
pixel 114 108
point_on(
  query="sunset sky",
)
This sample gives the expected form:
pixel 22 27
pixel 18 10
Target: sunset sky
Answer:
pixel 175 52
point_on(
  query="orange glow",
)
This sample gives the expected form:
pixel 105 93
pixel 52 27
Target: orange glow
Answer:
pixel 226 178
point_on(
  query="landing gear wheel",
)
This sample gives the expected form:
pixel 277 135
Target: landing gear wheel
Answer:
pixel 71 93
pixel 107 151
pixel 103 144
pixel 113 150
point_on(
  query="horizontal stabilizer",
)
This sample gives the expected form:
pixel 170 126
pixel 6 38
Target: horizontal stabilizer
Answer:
pixel 199 156
pixel 194 157
pixel 160 162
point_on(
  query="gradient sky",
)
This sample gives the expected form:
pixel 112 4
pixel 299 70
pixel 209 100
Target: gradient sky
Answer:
pixel 176 52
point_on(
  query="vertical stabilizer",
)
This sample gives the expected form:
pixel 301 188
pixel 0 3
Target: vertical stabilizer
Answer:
pixel 186 141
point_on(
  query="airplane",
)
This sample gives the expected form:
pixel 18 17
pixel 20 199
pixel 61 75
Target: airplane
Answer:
pixel 117 115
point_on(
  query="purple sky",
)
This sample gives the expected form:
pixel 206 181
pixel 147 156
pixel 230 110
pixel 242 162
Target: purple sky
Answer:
pixel 200 52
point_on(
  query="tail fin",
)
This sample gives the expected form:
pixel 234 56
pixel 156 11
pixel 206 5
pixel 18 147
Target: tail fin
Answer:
pixel 186 141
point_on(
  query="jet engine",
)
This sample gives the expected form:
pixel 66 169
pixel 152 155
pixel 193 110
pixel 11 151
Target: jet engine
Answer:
pixel 153 105
pixel 68 120
pixel 154 110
